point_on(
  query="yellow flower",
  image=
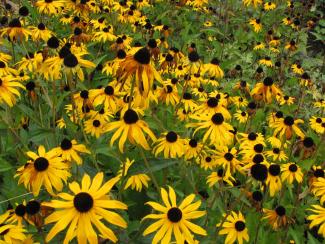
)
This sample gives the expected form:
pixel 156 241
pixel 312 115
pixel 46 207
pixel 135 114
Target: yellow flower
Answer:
pixel 130 127
pixel 269 6
pixel 291 172
pixel 174 219
pixel 69 150
pixel 318 218
pixel 135 181
pixel 170 144
pixel 8 91
pixel 44 168
pixel 88 206
pixel 234 227
pixel 277 218
pixel 257 25
pixel 10 233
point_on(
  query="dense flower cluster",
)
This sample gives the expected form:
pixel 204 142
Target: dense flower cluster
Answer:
pixel 116 109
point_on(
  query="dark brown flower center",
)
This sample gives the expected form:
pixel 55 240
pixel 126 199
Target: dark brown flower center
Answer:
pixel 83 202
pixel 41 164
pixel 174 214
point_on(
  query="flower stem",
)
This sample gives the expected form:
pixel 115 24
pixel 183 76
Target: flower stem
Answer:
pixel 149 169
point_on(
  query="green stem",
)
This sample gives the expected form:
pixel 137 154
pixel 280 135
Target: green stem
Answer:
pixel 149 169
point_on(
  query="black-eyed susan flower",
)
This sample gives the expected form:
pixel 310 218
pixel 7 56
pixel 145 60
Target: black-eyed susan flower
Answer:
pixel 49 6
pixel 10 233
pixel 234 227
pixel 138 67
pixel 277 218
pixel 213 69
pixel 276 154
pixel 257 25
pixel 287 127
pixel 285 100
pixel 40 33
pixel 317 218
pixel 259 46
pixel 69 150
pixel 297 69
pixel 220 176
pixel 255 3
pixel 15 31
pixel 89 205
pixel 269 6
pixel 44 168
pixel 291 46
pixel 135 181
pixel 227 158
pixel 192 148
pixel 267 61
pixel 317 124
pixel 174 219
pixel 241 116
pixel 169 95
pixel 193 62
pixel 218 131
pixel 95 127
pixel 206 160
pixel 273 180
pixel 318 189
pixel 265 90
pixel 107 97
pixel 9 91
pixel 291 172
pixel 104 35
pixel 214 105
pixel 130 127
pixel 170 144
pixel 287 21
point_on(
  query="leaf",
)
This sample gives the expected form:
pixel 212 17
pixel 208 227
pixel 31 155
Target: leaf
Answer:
pixel 4 165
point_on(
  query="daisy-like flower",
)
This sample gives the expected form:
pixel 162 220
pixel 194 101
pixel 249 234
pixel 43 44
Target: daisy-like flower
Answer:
pixel 73 64
pixel 318 189
pixel 174 219
pixel 217 130
pixel 104 35
pixel 291 172
pixel 291 46
pixel 9 91
pixel 40 33
pixel 130 127
pixel 235 228
pixel 49 6
pixel 44 168
pixel 95 127
pixel 192 148
pixel 269 6
pixel 273 180
pixel 220 176
pixel 138 67
pixel 265 90
pixel 88 205
pixel 317 218
pixel 214 105
pixel 193 62
pixel 15 31
pixel 286 127
pixel 276 154
pixel 227 158
pixel 277 218
pixel 169 94
pixel 69 149
pixel 170 144
pixel 257 25
pixel 317 124
pixel 241 116
pixel 135 181
pixel 106 96
pixel 10 233
pixel 287 21
pixel 31 62
pixel 259 46
pixel 255 3
pixel 213 69
pixel 297 69
pixel 282 100
pixel 266 61
pixel 305 79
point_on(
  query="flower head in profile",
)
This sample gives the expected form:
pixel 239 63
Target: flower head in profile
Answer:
pixel 130 127
pixel 87 207
pixel 174 219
